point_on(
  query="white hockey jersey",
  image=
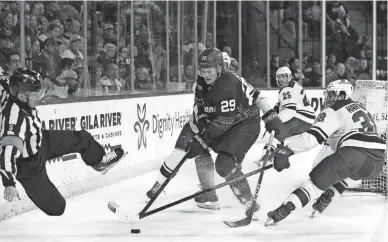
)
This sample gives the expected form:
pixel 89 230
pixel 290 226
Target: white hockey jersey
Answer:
pixel 346 123
pixel 293 102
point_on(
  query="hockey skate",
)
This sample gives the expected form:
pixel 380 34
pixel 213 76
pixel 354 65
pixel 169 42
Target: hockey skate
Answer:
pixel 322 202
pixel 151 193
pixel 208 201
pixel 255 208
pixel 109 160
pixel 280 213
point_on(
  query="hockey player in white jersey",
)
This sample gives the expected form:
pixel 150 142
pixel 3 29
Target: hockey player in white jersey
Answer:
pixel 293 113
pixel 353 150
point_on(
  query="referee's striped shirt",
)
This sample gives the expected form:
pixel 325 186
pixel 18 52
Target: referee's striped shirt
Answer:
pixel 21 135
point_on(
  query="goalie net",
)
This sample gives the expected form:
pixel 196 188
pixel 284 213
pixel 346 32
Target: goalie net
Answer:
pixel 374 96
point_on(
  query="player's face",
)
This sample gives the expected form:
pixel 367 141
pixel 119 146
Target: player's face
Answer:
pixel 282 80
pixel 330 98
pixel 209 74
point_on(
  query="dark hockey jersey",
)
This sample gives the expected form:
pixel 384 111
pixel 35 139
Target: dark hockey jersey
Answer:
pixel 227 102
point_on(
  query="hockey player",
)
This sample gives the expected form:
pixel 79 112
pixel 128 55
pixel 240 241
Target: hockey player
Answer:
pixel 293 113
pixel 26 147
pixel 227 124
pixel 353 150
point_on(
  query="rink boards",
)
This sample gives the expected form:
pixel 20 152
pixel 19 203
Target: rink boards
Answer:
pixel 145 126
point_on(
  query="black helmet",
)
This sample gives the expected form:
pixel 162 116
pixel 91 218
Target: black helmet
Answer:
pixel 26 80
pixel 210 58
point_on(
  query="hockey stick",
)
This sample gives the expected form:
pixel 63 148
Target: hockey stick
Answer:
pixel 246 221
pixel 148 205
pixel 126 214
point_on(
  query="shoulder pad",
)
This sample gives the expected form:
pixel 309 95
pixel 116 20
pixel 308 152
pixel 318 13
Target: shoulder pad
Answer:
pixel 291 84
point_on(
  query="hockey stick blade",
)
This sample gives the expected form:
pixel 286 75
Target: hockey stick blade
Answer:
pixel 122 213
pixel 240 223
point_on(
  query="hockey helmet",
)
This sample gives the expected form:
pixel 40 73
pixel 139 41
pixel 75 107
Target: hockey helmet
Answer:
pixel 210 58
pixel 335 88
pixel 29 83
pixel 283 76
pixel 210 65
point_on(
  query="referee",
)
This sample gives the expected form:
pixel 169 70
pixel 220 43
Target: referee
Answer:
pixel 26 147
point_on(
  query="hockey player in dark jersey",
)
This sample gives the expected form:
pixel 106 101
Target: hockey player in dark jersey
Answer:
pixel 352 150
pixel 26 147
pixel 228 126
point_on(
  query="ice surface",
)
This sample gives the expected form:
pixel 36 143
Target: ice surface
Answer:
pixel 87 218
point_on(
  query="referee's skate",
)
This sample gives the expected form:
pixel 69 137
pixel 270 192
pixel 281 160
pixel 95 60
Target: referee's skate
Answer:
pixel 109 160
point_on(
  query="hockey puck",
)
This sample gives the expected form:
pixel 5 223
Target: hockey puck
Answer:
pixel 135 231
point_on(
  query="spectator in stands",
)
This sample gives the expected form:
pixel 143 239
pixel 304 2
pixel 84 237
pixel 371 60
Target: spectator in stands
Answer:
pixel 37 9
pixel 47 62
pixel 143 80
pixel 274 66
pixel 143 60
pixel 75 44
pixel 108 34
pixel 109 82
pixel 340 73
pixel 35 47
pixel 228 50
pixel 67 60
pixel 332 61
pixel 351 68
pixel 13 62
pixel 159 61
pixel 52 10
pixel 364 72
pixel 314 79
pixel 5 37
pixel 7 23
pixel 60 88
pixel 189 77
pixel 75 27
pixel 32 27
pixel 43 26
pixel 107 56
pixel 296 73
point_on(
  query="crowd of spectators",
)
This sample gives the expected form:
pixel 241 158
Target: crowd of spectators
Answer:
pixel 118 62
pixel 348 54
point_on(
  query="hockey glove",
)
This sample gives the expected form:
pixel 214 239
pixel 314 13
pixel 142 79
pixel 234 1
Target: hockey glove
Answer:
pixel 281 158
pixel 272 121
pixel 199 145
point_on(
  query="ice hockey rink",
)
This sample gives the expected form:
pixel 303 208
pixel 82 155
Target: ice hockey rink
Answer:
pixel 349 218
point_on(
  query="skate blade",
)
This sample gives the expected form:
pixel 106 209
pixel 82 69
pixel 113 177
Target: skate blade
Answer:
pixel 269 222
pixel 313 214
pixel 108 168
pixel 209 206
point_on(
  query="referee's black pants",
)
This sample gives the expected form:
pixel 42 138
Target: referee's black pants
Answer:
pixel 32 172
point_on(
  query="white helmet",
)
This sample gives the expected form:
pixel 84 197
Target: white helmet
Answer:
pixel 337 87
pixel 226 59
pixel 283 76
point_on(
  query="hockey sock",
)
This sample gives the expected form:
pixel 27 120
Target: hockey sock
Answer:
pixel 241 188
pixel 304 194
pixel 339 188
pixel 205 171
pixel 169 165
